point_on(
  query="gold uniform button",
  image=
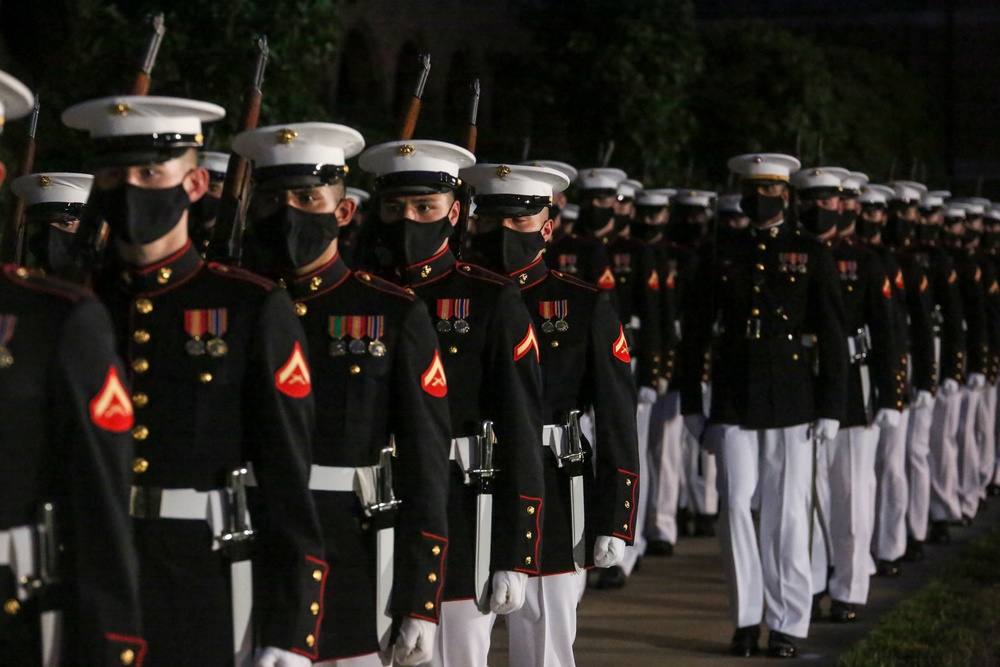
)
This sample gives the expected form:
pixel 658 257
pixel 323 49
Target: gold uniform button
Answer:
pixel 140 400
pixel 624 526
pixel 140 336
pixel 355 369
pixel 22 272
pixel 317 575
pixel 531 509
pixel 12 606
pixel 205 378
pixel 140 365
pixel 140 466
pixel 795 357
pixel 144 306
pixel 850 288
pixel 452 350
pixel 127 656
pixel 761 246
pixel 314 608
pixel 756 289
pixel 555 343
pixel 163 276
pixel 428 606
pixel 436 550
pixel 760 267
pixel 755 312
pixel 301 309
pixel 628 482
pixel 140 433
pixel 528 535
pixel 959 355
pixel 310 641
pixel 432 577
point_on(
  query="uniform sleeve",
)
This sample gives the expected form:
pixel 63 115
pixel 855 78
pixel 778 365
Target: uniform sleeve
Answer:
pixel 887 372
pixel 824 315
pixel 948 298
pixel 617 448
pixel 423 434
pixel 648 307
pixel 974 301
pixel 289 573
pixel 696 335
pixel 920 305
pixel 92 414
pixel 669 318
pixel 513 385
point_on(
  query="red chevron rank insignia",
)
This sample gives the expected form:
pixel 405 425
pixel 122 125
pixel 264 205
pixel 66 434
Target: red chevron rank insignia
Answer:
pixel 433 381
pixel 620 348
pixel 654 281
pixel 526 345
pixel 607 279
pixel 899 279
pixel 111 409
pixel 887 289
pixel 293 379
pixel 923 284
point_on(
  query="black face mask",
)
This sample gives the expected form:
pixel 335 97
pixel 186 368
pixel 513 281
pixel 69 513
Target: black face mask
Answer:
pixel 622 221
pixel 289 239
pixel 411 242
pixel 847 218
pixel 203 211
pixel 928 233
pixel 507 250
pixel 867 229
pixel 761 208
pixel 819 221
pixel 50 248
pixel 952 240
pixel 644 231
pixel 971 236
pixel 593 219
pixel 140 215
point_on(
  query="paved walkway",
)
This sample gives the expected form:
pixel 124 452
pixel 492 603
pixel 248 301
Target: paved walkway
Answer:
pixel 673 611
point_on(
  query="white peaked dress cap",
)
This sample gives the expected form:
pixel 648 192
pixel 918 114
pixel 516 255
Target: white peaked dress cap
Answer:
pixel 764 166
pixel 53 188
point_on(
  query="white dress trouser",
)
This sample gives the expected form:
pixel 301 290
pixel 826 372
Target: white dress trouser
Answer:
pixel 851 460
pixel 944 504
pixel 969 491
pixel 889 542
pixel 638 547
pixel 775 571
pixel 664 468
pixel 986 417
pixel 463 636
pixel 918 471
pixel 368 660
pixel 821 558
pixel 542 632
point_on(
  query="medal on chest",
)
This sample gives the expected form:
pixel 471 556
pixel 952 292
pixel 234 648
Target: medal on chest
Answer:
pixel 452 308
pixel 557 309
pixel 211 321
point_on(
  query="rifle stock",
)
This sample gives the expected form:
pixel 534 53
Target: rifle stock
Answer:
pixel 12 244
pixel 140 86
pixel 413 110
pixel 235 189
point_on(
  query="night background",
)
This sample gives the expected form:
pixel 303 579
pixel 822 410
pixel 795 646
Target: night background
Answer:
pixel 906 89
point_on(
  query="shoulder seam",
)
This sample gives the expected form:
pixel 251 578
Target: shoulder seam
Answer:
pixel 240 274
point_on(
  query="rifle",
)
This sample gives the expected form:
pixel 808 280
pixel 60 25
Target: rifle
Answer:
pixel 12 247
pixel 141 85
pixel 236 189
pixel 413 111
pixel 465 190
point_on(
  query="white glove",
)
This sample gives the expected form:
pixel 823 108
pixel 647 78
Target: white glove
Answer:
pixel 976 381
pixel 276 657
pixel 949 387
pixel 508 591
pixel 826 429
pixel 662 386
pixel 887 417
pixel 415 643
pixel 647 396
pixel 924 399
pixel 695 424
pixel 608 551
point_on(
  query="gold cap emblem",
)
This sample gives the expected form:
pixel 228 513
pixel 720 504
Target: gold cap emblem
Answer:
pixel 817 172
pixel 120 109
pixel 405 149
pixel 758 159
pixel 503 171
pixel 285 136
pixel 44 181
pixel 199 138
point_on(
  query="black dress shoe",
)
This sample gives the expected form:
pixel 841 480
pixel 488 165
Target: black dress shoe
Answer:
pixel 914 550
pixel 704 525
pixel 817 611
pixel 780 645
pixel 938 534
pixel 744 643
pixel 966 520
pixel 659 548
pixel 993 490
pixel 843 612
pixel 982 505
pixel 611 578
pixel 887 568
